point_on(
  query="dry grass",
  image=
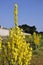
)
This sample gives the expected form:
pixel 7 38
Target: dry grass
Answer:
pixel 37 59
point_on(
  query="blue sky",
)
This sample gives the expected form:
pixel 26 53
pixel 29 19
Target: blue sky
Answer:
pixel 29 12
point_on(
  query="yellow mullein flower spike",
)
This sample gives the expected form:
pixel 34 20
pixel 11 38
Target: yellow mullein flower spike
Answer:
pixel 17 52
pixel 16 14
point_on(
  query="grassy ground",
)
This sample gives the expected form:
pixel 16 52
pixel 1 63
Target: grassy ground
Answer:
pixel 37 58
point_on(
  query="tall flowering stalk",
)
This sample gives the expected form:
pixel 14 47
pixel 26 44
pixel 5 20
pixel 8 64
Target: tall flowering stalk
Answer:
pixel 20 51
pixel 36 39
pixel 16 51
pixel 16 15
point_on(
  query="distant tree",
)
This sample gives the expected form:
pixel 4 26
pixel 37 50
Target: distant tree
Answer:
pixel 28 29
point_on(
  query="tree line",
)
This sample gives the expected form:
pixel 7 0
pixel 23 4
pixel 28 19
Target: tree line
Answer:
pixel 30 29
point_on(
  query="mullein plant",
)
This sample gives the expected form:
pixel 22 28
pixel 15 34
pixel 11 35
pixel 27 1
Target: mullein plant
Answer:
pixel 36 39
pixel 0 48
pixel 0 43
pixel 16 51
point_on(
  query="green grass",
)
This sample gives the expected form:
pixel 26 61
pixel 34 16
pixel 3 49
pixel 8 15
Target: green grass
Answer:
pixel 37 58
